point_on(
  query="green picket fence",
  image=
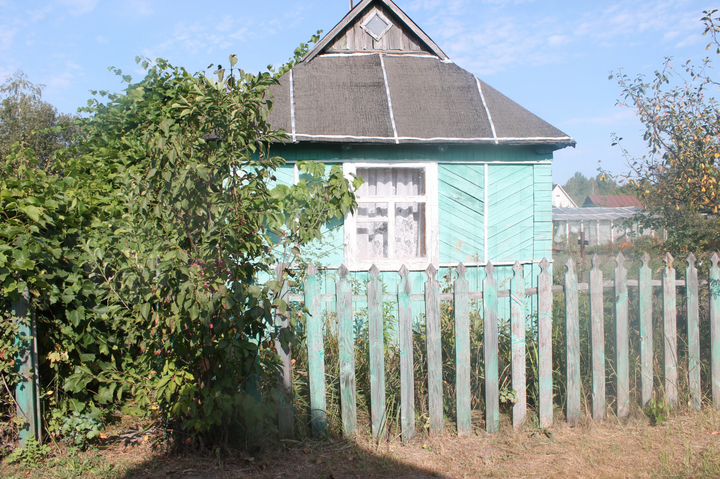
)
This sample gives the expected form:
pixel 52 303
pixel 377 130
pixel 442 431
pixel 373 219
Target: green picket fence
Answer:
pixel 599 291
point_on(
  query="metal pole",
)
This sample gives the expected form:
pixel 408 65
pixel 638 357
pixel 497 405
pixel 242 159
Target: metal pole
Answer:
pixel 352 4
pixel 27 391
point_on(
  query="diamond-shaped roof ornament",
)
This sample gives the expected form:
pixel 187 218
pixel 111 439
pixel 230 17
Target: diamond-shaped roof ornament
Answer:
pixel 377 25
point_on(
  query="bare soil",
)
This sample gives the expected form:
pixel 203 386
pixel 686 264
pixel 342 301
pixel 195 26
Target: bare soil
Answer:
pixel 687 445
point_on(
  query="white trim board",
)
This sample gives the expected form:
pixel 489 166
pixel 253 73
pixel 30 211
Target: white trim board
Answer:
pixel 438 139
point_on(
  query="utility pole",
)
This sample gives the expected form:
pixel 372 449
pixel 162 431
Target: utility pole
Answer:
pixel 352 4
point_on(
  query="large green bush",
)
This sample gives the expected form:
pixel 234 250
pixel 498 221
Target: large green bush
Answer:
pixel 142 246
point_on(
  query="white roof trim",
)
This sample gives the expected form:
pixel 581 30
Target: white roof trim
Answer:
pixel 292 107
pixel 389 99
pixel 449 139
pixel 487 110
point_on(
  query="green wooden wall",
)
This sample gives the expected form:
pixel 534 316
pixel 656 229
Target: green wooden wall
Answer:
pixel 518 197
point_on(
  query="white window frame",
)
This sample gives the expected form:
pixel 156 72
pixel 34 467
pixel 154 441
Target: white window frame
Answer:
pixel 432 225
pixel 383 18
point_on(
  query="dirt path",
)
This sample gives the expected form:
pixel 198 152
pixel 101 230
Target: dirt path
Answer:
pixel 685 446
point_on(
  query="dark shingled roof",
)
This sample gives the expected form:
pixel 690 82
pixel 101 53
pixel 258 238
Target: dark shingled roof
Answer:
pixel 344 98
pixel 398 97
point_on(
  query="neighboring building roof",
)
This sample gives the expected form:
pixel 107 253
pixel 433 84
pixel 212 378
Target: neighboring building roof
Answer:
pixel 391 96
pixel 612 201
pixel 594 214
pixel 561 199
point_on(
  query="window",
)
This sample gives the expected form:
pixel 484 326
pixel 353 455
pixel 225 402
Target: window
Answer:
pixel 396 219
pixel 377 26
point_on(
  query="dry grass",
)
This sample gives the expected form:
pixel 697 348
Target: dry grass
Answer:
pixel 688 445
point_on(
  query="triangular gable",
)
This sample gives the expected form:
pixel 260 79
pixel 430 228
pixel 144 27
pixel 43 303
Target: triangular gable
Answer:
pixel 353 34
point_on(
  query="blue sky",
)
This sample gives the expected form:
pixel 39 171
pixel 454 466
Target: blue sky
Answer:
pixel 551 56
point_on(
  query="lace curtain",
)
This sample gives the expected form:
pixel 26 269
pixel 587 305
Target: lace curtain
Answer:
pixel 392 185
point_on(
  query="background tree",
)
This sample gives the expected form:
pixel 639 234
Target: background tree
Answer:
pixel 579 187
pixel 677 179
pixel 27 120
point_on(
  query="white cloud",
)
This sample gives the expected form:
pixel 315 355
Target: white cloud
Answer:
pixel 79 7
pixel 618 116
pixel 198 37
pixel 7 38
pixel 141 8
pixel 65 78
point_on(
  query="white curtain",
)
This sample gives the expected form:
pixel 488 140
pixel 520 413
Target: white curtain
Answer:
pixel 373 218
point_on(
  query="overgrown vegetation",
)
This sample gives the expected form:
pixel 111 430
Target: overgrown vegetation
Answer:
pixel 141 244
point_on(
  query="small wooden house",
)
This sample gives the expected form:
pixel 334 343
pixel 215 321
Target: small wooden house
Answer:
pixel 454 170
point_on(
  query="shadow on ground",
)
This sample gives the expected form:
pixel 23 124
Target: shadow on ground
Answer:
pixel 321 460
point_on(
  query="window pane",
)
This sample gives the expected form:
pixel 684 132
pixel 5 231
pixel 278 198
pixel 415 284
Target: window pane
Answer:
pixel 392 181
pixel 372 211
pixel 410 230
pixel 372 240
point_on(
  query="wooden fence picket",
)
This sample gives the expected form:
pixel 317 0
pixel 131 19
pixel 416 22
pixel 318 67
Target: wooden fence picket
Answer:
pixel 434 352
pixel 572 333
pixel 348 402
pixel 670 331
pixel 27 391
pixel 545 304
pixel 693 325
pixel 622 341
pixel 490 341
pixel 407 381
pixel 715 328
pixel 316 354
pixel 377 354
pixel 517 308
pixel 283 348
pixel 597 318
pixel 461 306
pixel 646 331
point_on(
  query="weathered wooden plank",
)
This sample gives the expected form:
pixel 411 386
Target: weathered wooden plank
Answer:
pixel 693 325
pixel 407 381
pixel 316 354
pixel 646 331
pixel 545 304
pixel 670 331
pixel 283 347
pixel 572 333
pixel 348 400
pixel 462 352
pixel 490 341
pixel 377 354
pixel 434 352
pixel 622 346
pixel 597 319
pixel 27 390
pixel 715 328
pixel 517 320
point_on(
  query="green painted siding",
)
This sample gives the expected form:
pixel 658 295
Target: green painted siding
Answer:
pixel 510 226
pixel 461 201
pixel 519 199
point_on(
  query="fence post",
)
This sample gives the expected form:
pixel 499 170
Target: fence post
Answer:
pixel 27 391
pixel 283 348
pixel 693 325
pixel 407 380
pixel 517 306
pixel 348 403
pixel 490 341
pixel 545 302
pixel 597 318
pixel 462 352
pixel 622 346
pixel 572 332
pixel 316 354
pixel 646 331
pixel 670 330
pixel 377 353
pixel 715 328
pixel 434 352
